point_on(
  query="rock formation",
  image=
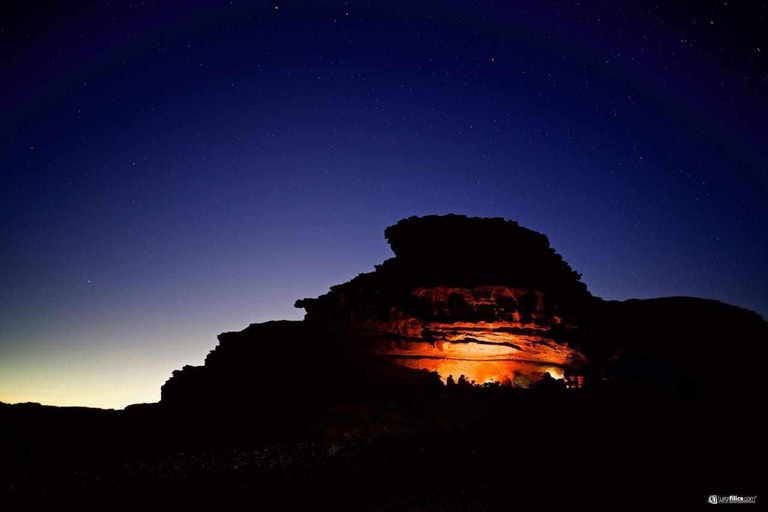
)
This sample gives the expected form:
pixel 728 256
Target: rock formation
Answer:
pixel 485 299
pixel 697 347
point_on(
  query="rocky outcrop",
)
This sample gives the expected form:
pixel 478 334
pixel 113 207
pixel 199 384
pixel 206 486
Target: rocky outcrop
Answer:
pixel 485 299
pixel 487 333
pixel 285 367
pixel 697 347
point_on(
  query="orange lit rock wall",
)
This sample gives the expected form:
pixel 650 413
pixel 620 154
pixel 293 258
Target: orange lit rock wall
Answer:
pixel 488 333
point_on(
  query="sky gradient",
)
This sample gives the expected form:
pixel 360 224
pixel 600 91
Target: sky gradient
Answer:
pixel 170 174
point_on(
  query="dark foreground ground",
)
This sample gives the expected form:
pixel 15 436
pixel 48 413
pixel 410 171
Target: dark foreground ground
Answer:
pixel 466 449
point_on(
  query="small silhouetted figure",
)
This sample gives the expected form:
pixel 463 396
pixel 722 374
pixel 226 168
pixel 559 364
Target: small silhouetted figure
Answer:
pixel 449 382
pixel 463 382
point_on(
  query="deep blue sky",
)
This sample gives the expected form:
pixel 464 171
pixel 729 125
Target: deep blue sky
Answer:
pixel 169 174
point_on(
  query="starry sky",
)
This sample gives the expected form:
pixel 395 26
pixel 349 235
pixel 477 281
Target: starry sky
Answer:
pixel 170 173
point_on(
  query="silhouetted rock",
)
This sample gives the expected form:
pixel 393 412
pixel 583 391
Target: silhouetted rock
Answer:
pixel 336 412
pixel 548 384
pixel 283 368
pixel 483 299
pixel 682 345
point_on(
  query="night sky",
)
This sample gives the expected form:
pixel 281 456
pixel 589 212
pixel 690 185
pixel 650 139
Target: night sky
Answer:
pixel 172 173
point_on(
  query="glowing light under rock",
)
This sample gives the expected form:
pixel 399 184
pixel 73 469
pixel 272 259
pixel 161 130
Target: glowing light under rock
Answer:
pixel 488 333
pixel 555 373
pixel 519 373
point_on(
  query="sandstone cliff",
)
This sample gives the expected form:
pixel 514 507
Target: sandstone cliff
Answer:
pixel 488 300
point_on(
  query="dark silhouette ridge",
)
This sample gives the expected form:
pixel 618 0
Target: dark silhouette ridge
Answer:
pixel 483 297
pixel 698 347
pixel 299 360
pixel 337 412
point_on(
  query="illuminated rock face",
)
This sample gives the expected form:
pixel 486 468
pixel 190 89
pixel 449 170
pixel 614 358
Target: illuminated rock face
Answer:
pixel 490 333
pixel 447 309
pixel 486 299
